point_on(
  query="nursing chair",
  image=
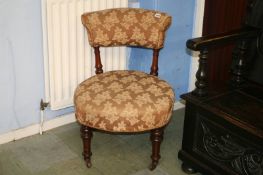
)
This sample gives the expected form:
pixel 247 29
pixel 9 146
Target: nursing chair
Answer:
pixel 124 101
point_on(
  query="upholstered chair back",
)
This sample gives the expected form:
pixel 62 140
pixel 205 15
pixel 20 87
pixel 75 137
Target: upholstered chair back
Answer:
pixel 126 26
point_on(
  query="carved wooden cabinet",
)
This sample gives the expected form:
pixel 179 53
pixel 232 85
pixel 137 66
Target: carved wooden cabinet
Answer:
pixel 223 133
pixel 223 126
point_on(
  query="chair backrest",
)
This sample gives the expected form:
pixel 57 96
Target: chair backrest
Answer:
pixel 127 27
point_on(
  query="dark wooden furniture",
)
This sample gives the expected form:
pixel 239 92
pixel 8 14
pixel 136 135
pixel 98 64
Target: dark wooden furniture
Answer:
pixel 219 17
pixel 223 127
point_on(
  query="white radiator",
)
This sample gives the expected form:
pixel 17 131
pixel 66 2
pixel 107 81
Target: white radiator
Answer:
pixel 68 57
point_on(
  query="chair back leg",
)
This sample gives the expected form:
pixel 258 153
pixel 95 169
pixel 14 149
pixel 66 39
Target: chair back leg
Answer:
pixel 156 139
pixel 86 135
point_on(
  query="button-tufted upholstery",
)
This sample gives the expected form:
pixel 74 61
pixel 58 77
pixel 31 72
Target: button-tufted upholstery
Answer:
pixel 124 101
pixel 126 26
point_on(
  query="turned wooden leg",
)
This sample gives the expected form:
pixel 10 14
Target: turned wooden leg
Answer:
pixel 86 135
pixel 188 169
pixel 239 69
pixel 201 83
pixel 156 139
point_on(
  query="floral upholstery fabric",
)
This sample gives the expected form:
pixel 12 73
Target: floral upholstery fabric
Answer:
pixel 124 101
pixel 126 26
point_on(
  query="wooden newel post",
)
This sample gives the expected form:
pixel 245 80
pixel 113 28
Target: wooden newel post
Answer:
pixel 238 71
pixel 154 67
pixel 98 64
pixel 201 75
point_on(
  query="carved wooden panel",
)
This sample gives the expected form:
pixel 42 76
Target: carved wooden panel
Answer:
pixel 227 149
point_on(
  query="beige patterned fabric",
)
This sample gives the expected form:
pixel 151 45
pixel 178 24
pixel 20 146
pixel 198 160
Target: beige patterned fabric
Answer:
pixel 124 101
pixel 126 26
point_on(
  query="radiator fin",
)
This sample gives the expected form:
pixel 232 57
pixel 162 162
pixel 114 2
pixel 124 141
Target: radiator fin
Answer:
pixel 69 58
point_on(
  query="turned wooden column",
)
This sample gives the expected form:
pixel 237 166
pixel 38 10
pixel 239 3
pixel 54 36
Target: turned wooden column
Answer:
pixel 201 75
pixel 86 135
pixel 98 64
pixel 156 139
pixel 154 67
pixel 237 78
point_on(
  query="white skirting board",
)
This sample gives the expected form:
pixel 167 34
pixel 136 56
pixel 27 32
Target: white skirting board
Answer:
pixel 48 125
pixel 178 105
pixel 34 129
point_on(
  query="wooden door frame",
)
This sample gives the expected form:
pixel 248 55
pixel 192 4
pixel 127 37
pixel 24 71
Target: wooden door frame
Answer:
pixel 197 32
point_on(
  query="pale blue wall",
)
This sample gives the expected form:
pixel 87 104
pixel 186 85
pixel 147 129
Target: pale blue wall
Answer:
pixel 174 63
pixel 21 56
pixel 21 64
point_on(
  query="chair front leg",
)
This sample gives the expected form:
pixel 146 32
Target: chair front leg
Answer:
pixel 86 135
pixel 156 139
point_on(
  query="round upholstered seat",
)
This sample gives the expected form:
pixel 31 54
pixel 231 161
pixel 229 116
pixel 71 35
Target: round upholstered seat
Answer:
pixel 124 101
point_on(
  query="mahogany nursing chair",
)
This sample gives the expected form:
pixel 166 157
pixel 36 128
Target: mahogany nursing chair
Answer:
pixel 125 101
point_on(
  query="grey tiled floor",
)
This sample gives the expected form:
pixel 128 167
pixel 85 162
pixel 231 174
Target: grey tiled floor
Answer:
pixel 58 152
